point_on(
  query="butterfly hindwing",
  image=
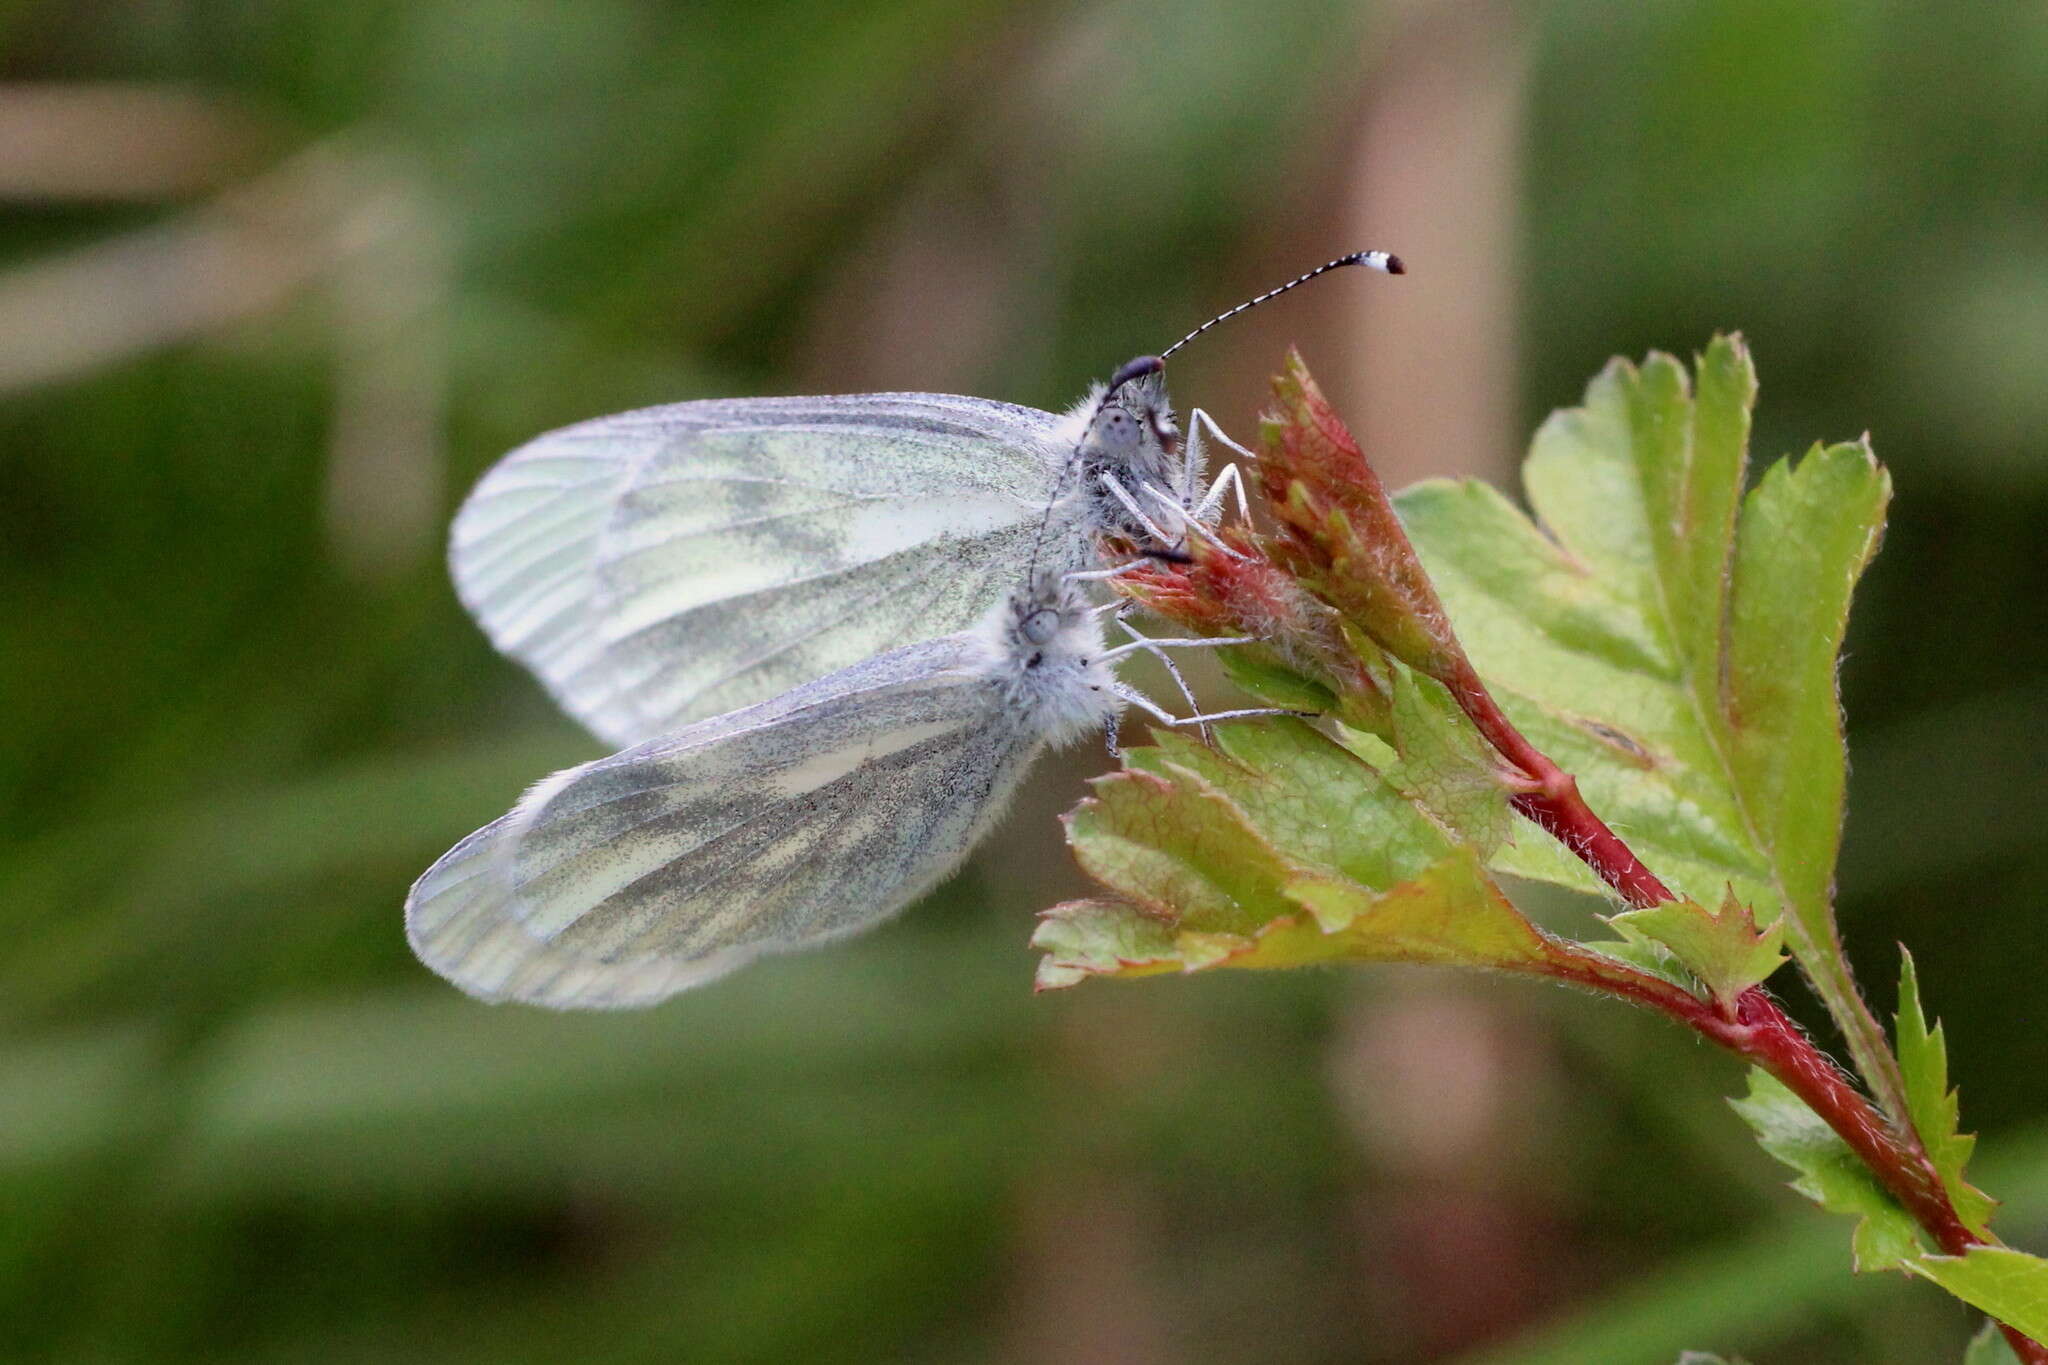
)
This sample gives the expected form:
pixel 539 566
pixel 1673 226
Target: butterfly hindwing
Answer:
pixel 802 819
pixel 457 924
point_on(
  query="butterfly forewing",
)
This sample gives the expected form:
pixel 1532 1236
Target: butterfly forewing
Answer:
pixel 661 566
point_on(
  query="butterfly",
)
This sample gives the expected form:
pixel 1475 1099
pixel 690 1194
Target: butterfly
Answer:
pixel 663 566
pixel 657 564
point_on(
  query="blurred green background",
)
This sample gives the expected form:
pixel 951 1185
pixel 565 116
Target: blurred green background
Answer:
pixel 279 279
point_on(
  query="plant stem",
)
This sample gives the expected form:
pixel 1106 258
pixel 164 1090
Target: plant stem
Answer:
pixel 1555 804
pixel 1755 1029
pixel 1763 1034
pixel 2029 1351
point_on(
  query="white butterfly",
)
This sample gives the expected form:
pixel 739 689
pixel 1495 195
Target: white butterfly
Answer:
pixel 791 822
pixel 661 566
pixel 665 565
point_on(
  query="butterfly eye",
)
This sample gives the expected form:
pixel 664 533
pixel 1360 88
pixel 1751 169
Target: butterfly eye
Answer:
pixel 1117 430
pixel 1039 627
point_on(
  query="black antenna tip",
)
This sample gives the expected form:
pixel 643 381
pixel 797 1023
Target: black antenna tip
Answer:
pixel 1394 266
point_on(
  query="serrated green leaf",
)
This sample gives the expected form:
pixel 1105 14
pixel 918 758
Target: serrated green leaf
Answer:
pixel 1100 938
pixel 1646 955
pixel 1923 1060
pixel 1829 1173
pixel 1312 802
pixel 1278 848
pixel 1451 914
pixel 1723 948
pixel 2009 1285
pixel 1679 659
pixel 1989 1347
pixel 1180 850
pixel 1444 765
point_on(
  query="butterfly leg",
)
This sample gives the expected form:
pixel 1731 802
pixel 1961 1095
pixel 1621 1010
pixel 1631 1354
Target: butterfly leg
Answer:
pixel 1201 718
pixel 1231 480
pixel 1239 714
pixel 1130 504
pixel 1172 668
pixel 1189 526
pixel 1154 710
pixel 1146 642
pixel 1193 524
pixel 1194 461
pixel 1196 420
pixel 1097 575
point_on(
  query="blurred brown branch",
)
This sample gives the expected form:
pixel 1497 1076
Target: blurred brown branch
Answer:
pixel 343 222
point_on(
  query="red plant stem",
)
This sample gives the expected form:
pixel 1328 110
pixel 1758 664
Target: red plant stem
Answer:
pixel 1555 804
pixel 1766 1035
pixel 1755 1029
pixel 1563 815
pixel 1763 1034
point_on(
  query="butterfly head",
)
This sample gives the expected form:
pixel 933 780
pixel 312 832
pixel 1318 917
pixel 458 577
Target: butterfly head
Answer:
pixel 1049 615
pixel 1046 653
pixel 1124 431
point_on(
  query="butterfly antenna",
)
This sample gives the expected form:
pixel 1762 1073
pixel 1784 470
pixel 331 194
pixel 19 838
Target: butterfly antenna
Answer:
pixel 1125 373
pixel 1384 261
